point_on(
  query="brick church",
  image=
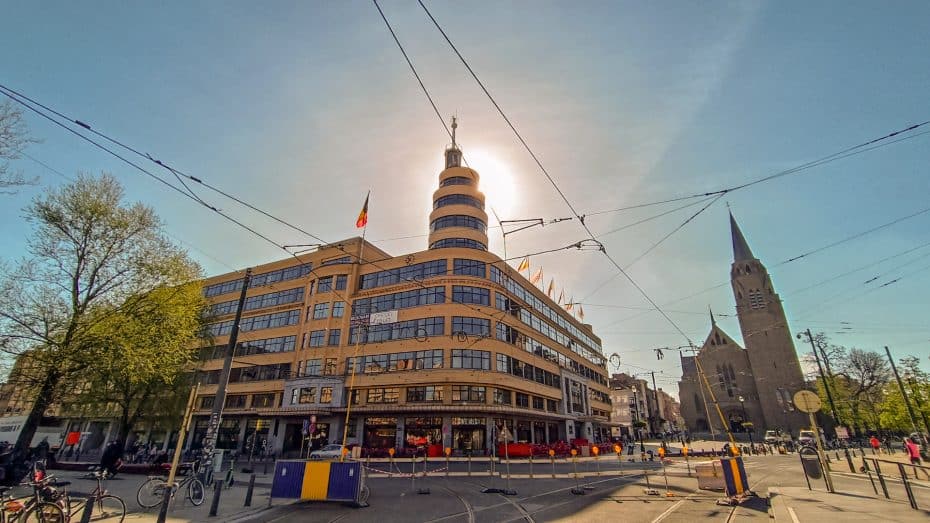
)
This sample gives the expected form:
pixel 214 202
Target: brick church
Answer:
pixel 755 383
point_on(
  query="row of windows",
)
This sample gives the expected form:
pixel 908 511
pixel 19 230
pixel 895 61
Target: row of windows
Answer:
pixel 248 348
pixel 402 330
pixel 237 401
pixel 528 297
pixel 254 323
pixel 460 394
pixel 471 359
pixel 399 300
pixel 397 361
pixel 463 243
pixel 415 272
pixel 464 326
pixel 455 180
pixel 275 371
pixel 518 368
pixel 305 395
pixel 259 280
pixel 260 302
pixel 511 335
pixel 325 284
pixel 337 261
pixel 458 199
pixel 318 367
pixel 458 220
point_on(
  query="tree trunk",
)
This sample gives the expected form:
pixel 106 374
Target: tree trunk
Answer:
pixel 43 400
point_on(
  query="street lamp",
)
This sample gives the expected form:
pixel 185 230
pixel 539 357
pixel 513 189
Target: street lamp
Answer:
pixel 642 446
pixel 742 402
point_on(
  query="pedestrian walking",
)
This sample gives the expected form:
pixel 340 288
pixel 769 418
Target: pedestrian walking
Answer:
pixel 875 444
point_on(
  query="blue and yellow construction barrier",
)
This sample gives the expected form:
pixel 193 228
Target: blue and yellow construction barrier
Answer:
pixel 318 481
pixel 734 476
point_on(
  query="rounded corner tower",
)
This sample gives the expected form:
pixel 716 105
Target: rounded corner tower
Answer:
pixel 458 218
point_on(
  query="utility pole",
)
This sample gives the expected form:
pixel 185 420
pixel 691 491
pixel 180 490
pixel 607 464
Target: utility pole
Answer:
pixel 655 391
pixel 907 401
pixel 216 417
pixel 823 377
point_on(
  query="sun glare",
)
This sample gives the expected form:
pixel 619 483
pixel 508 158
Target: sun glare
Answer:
pixel 496 182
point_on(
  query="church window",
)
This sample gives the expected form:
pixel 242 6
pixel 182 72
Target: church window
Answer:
pixel 748 270
pixel 697 402
pixel 756 301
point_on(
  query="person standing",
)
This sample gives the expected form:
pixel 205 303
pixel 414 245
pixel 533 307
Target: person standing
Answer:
pixel 875 444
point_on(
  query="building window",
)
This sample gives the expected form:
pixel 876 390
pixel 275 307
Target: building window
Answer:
pixel 455 180
pixel 326 394
pixel 324 284
pixel 330 367
pixel 538 403
pixel 206 402
pixel 552 406
pixel 386 395
pixel 470 393
pixel 468 294
pixel 399 300
pixel 424 394
pixel 502 397
pixel 235 402
pixel 458 199
pixel 307 395
pixel 317 338
pixel 465 267
pixel 339 308
pixel 523 400
pixel 295 395
pixel 421 328
pixel 458 220
pixel 415 272
pixel 471 359
pixel 320 311
pixel 334 337
pixel 756 300
pixel 312 367
pixel 341 280
pixel 471 326
pixel 261 401
pixel 464 243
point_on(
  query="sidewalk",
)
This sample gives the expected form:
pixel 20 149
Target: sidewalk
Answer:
pixel 854 500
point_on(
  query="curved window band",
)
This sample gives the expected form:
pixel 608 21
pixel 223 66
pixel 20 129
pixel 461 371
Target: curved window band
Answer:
pixel 458 220
pixel 458 242
pixel 458 199
pixel 455 180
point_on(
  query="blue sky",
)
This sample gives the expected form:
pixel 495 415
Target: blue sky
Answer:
pixel 301 107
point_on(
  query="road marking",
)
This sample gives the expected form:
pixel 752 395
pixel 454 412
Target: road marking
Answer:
pixel 667 512
pixel 794 517
pixel 468 507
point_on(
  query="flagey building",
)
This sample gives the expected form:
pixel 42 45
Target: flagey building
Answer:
pixel 765 375
pixel 447 344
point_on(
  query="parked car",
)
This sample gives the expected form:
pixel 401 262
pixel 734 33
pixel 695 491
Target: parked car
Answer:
pixel 775 437
pixel 327 452
pixel 807 437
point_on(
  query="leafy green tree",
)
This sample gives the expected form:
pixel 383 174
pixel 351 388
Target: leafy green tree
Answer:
pixel 141 372
pixel 92 261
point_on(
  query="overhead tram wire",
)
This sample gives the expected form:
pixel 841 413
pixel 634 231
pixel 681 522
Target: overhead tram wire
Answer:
pixel 340 295
pixel 845 152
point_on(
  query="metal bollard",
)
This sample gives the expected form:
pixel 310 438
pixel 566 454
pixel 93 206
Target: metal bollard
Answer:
pixel 265 469
pixel 248 493
pixel 531 466
pixel 88 510
pixel 881 479
pixel 907 487
pixel 215 504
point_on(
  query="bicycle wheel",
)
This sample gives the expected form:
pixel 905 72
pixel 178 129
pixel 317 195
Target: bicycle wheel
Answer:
pixel 195 492
pixel 109 508
pixel 151 493
pixel 45 513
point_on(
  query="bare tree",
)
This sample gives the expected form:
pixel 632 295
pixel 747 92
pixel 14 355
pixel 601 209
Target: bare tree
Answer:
pixel 14 137
pixel 864 374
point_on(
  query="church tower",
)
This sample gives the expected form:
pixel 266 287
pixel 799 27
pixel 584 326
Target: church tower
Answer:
pixel 766 336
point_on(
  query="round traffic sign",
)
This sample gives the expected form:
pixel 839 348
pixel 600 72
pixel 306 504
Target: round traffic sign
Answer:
pixel 807 401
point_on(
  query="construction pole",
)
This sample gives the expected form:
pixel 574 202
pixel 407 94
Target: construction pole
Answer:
pixel 710 423
pixel 216 417
pixel 907 401
pixel 655 392
pixel 823 377
pixel 185 425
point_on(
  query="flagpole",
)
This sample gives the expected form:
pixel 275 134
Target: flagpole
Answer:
pixel 358 336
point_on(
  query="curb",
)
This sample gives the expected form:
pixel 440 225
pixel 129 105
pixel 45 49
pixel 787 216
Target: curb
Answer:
pixel 778 509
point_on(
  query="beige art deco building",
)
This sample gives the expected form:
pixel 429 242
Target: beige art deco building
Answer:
pixel 447 345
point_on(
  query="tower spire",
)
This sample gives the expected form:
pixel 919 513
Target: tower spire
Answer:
pixel 454 127
pixel 741 251
pixel 713 322
pixel 453 153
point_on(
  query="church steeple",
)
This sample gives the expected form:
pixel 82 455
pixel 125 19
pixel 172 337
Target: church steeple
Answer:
pixel 741 251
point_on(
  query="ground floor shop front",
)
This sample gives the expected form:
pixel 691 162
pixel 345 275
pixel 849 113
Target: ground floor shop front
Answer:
pixel 465 433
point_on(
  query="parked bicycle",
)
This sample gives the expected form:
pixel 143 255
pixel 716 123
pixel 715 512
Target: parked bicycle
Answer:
pixel 152 492
pixel 106 507
pixel 30 509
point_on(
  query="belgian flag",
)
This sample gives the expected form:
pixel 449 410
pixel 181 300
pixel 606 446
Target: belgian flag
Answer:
pixel 363 216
